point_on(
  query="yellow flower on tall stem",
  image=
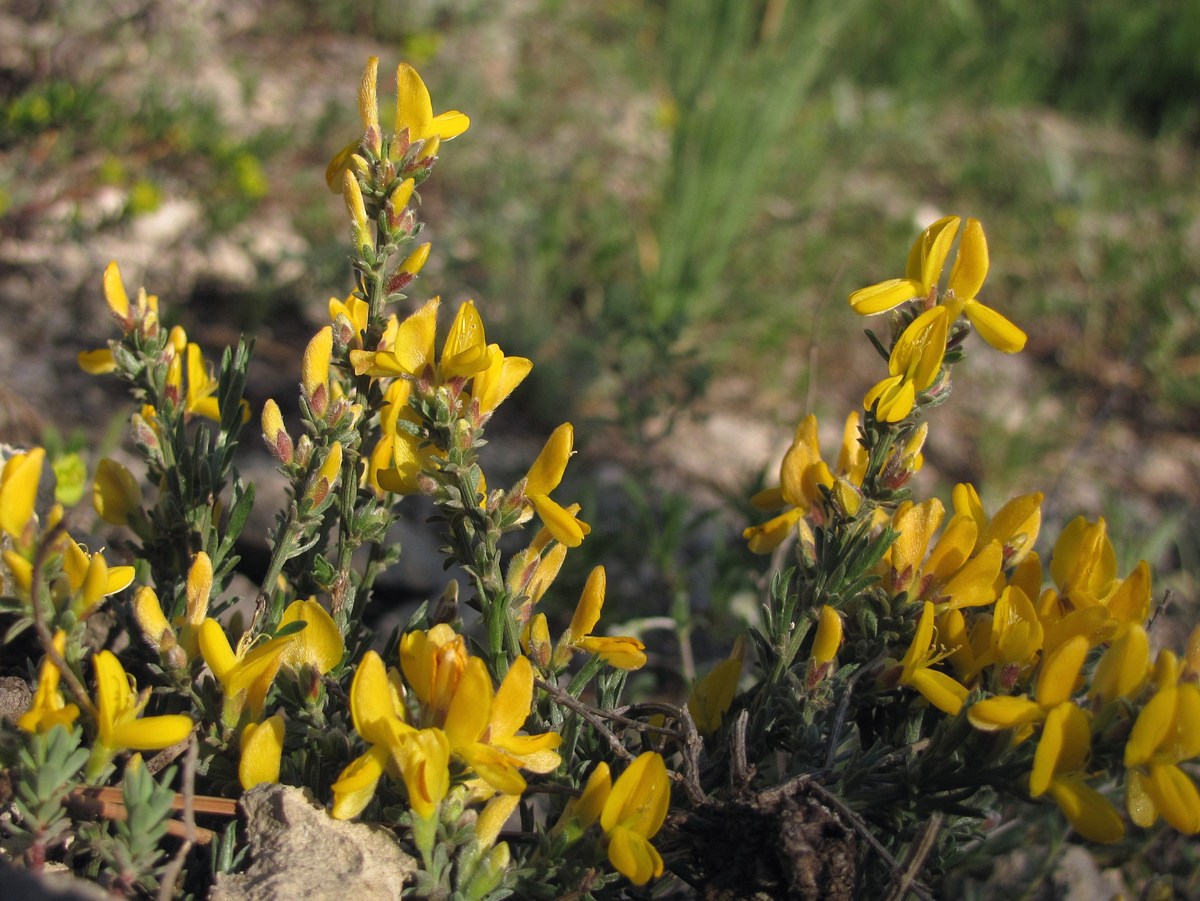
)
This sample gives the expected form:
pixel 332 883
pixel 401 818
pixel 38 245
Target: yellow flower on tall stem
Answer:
pixel 926 260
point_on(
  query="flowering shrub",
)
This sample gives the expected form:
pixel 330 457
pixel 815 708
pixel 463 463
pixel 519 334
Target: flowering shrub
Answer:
pixel 911 671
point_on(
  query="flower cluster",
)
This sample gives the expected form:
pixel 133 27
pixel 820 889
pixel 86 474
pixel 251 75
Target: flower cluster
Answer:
pixel 913 663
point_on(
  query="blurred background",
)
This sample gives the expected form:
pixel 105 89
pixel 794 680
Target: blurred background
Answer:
pixel 665 205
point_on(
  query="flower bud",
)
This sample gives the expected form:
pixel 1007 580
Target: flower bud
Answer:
pixel 535 641
pixel 314 379
pixel 278 441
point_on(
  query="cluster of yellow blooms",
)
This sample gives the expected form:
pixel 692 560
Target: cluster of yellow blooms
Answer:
pixel 1062 672
pixel 437 724
pixel 1071 661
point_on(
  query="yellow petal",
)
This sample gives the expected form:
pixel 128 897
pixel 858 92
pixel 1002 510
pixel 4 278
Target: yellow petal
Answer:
pixel 493 817
pixel 414 347
pixel 262 751
pixel 319 643
pixel 623 651
pixel 116 494
pixel 547 470
pixel 199 587
pixel 992 714
pixel 414 109
pixel 471 706
pixel 1176 797
pixel 355 787
pixel 368 104
pixel 1139 803
pixel 1124 667
pixel 940 690
pixel 994 328
pixel 591 601
pixel 97 362
pixel 639 798
pixel 764 538
pixel 1060 672
pixel 971 265
pixel 884 296
pixel 633 856
pixel 1154 723
pixel 18 490
pixel 562 523
pixel 510 706
pixel 114 291
pixel 928 255
pixel 152 733
pixel 371 705
pixel 465 351
pixel 315 367
pixel 1090 813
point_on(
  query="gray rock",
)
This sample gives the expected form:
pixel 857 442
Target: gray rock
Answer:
pixel 299 851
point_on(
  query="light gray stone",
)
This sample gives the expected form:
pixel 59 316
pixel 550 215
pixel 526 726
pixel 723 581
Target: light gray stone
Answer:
pixel 299 851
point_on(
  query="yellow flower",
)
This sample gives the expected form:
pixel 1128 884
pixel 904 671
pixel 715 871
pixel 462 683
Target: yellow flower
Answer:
pixel 623 652
pixel 926 260
pixel 1165 734
pixel 1058 768
pixel 262 751
pixel 18 492
pixel 91 578
pixel 414 110
pixel 415 120
pixel 952 575
pixel 801 476
pixel 433 662
pixel 712 695
pixel 633 812
pixel 913 365
pixel 119 723
pixel 916 669
pixel 543 477
pixel 319 644
pixel 1015 525
pixel 116 494
pixel 482 727
pixel 1056 682
pixel 420 757
pixel 494 383
pixel 48 708
pixel 1016 636
pixel 1124 667
pixel 246 675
